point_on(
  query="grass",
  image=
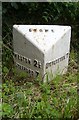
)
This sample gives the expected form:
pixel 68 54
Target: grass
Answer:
pixel 0 50
pixel 25 98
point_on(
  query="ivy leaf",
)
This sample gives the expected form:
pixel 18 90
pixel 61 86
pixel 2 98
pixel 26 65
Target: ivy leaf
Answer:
pixel 5 70
pixel 13 4
pixel 45 18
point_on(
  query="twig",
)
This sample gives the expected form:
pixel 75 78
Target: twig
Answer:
pixel 7 47
pixel 6 36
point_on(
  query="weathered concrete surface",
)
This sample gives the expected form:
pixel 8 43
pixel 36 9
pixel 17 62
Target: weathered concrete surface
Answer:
pixel 41 49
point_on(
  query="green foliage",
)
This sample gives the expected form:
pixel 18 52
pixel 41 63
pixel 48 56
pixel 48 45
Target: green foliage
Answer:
pixel 51 12
pixel 63 13
pixel 43 101
pixel 7 109
pixel 55 99
pixel 32 98
pixel 5 70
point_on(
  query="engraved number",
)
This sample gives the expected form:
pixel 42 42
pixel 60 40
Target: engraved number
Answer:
pixel 37 73
pixel 37 63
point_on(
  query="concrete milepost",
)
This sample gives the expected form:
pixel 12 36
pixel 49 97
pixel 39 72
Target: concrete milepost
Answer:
pixel 41 49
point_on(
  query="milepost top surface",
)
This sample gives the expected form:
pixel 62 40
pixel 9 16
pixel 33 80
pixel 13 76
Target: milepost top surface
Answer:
pixel 42 36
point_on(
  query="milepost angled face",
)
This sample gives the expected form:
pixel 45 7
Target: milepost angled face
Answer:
pixel 40 49
pixel 28 62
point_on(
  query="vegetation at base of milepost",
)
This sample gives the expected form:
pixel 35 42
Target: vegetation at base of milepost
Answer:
pixel 30 98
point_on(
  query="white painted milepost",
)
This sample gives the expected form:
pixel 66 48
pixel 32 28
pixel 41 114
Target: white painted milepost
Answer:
pixel 41 49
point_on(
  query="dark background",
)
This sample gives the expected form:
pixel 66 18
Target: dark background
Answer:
pixel 55 13
pixel 59 13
